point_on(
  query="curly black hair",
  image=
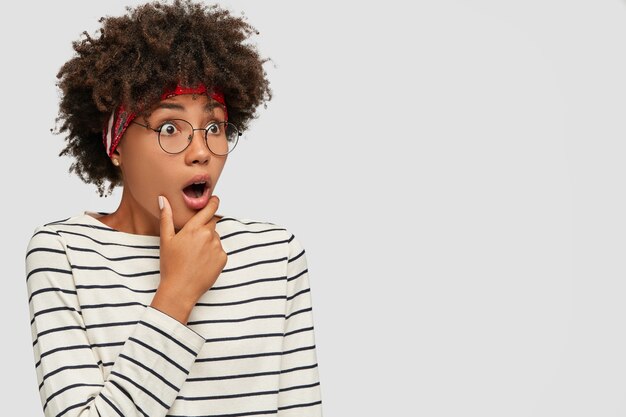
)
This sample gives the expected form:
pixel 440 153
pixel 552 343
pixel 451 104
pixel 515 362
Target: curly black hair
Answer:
pixel 154 47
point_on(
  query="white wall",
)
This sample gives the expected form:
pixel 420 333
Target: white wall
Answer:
pixel 455 170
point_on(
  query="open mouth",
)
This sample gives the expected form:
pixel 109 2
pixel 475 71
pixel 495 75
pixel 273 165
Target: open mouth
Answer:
pixel 195 190
pixel 196 194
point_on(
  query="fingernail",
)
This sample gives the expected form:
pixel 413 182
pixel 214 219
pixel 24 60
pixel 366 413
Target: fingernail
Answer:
pixel 161 202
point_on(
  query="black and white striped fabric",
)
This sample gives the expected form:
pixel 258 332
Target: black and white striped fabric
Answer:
pixel 101 350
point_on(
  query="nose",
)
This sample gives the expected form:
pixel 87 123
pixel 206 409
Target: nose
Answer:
pixel 198 152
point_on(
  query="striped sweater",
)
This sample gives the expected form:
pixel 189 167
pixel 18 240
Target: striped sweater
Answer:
pixel 100 350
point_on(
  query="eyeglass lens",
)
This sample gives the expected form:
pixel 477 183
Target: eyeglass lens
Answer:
pixel 175 135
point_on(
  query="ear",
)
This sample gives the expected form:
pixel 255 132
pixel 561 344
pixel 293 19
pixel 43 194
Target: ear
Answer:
pixel 116 159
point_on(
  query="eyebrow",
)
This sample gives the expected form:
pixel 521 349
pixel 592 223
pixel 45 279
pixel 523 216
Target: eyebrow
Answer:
pixel 175 106
pixel 172 106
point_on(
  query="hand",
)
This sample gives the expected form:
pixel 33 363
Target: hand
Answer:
pixel 191 260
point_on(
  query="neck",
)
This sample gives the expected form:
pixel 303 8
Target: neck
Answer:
pixel 131 217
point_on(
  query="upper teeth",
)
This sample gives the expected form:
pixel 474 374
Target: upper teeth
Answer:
pixel 201 182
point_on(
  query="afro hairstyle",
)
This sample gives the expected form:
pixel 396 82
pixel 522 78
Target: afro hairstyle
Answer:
pixel 152 48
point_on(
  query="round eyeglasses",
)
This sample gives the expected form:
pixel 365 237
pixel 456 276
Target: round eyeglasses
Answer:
pixel 175 136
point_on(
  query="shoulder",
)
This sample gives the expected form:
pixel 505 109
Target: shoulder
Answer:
pixel 246 231
pixel 75 222
pixel 85 231
pixel 56 227
pixel 48 233
pixel 230 227
pixel 46 251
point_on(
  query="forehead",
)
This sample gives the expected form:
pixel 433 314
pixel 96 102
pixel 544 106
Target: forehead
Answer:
pixel 188 102
pixel 186 106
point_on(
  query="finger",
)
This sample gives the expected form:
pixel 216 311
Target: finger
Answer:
pixel 205 214
pixel 166 220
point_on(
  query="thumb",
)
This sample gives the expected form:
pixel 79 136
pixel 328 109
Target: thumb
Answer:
pixel 166 221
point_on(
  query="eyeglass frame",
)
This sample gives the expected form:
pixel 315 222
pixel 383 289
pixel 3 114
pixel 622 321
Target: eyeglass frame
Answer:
pixel 193 130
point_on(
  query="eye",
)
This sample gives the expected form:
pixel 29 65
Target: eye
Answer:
pixel 168 129
pixel 213 129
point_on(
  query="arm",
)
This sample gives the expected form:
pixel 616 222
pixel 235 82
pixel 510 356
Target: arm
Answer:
pixel 299 390
pixel 148 373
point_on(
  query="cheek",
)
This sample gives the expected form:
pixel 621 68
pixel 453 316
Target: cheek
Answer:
pixel 144 187
pixel 145 178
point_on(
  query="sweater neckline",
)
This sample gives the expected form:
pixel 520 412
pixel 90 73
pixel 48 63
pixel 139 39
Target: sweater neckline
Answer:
pixel 92 217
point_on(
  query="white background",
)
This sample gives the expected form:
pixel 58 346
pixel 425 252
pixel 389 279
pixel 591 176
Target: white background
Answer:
pixel 454 170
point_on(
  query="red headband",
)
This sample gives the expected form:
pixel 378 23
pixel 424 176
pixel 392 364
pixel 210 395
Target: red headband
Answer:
pixel 120 118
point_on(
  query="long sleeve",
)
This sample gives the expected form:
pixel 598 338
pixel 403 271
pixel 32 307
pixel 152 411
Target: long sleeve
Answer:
pixel 148 373
pixel 299 390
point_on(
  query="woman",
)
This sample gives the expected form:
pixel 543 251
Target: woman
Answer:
pixel 164 307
